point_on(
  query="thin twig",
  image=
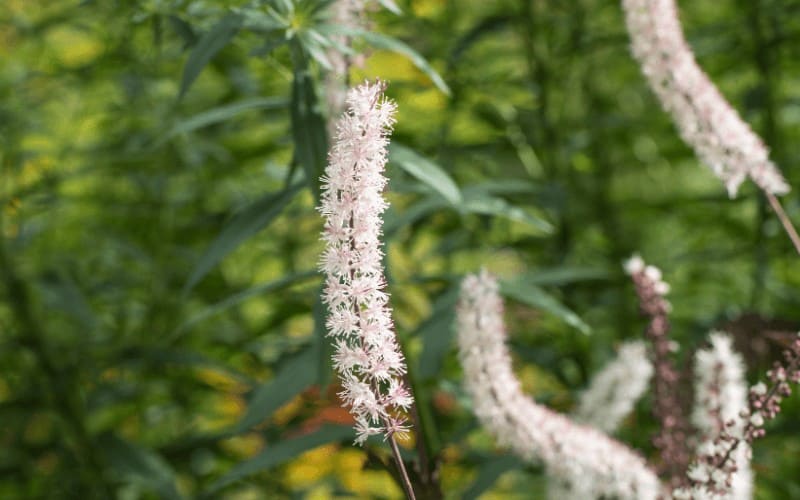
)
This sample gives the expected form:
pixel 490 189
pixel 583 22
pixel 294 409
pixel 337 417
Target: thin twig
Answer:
pixel 402 468
pixel 787 223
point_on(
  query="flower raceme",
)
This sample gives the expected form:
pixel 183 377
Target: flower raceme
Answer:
pixel 367 357
pixel 610 397
pixel 705 120
pixel 720 405
pixel 590 462
pixel 614 391
pixel 674 430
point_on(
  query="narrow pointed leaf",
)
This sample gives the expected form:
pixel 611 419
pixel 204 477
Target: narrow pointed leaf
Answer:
pixel 294 375
pixel 425 171
pixel 238 298
pixel 536 297
pixel 207 47
pixel 280 452
pixel 490 205
pixel 395 45
pixel 245 224
pixel 489 473
pixel 223 113
pixel 436 333
pixel 139 465
pixel 308 124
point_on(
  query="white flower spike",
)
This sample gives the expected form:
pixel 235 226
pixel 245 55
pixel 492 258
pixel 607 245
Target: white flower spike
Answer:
pixel 593 464
pixel 705 120
pixel 367 356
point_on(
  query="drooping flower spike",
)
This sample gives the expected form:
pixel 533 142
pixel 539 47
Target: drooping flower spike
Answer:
pixel 705 120
pixel 593 464
pixel 614 391
pixel 610 397
pixel 367 357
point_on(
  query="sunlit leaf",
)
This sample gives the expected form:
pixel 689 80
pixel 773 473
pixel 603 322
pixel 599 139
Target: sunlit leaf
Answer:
pixel 425 171
pixel 394 45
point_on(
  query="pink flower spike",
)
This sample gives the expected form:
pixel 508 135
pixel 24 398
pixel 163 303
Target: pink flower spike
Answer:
pixel 367 355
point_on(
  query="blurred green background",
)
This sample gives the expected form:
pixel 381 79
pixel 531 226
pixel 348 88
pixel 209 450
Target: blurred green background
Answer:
pixel 161 333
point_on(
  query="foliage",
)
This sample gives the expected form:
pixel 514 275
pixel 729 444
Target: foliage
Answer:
pixel 161 329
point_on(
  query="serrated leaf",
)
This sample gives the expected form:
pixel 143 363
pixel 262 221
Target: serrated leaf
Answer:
pixel 425 171
pixel 393 44
pixel 243 225
pixel 139 465
pixel 491 205
pixel 280 452
pixel 294 375
pixel 223 113
pixel 536 297
pixel 308 124
pixel 207 47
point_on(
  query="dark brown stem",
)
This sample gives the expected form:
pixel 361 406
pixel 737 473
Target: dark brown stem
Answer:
pixel 785 221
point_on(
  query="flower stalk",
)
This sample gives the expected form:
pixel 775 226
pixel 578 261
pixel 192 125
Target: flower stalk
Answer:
pixel 367 354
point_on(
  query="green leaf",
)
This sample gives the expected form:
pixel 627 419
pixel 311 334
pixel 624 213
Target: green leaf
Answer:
pixel 280 452
pixel 156 358
pixel 436 333
pixel 223 113
pixel 490 205
pixel 183 30
pixel 388 43
pixel 207 47
pixel 294 375
pixel 565 275
pixel 489 472
pixel 243 225
pixel 242 296
pixel 391 6
pixel 542 195
pixel 308 125
pixel 394 221
pixel 536 297
pixel 326 349
pixel 425 171
pixel 139 465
